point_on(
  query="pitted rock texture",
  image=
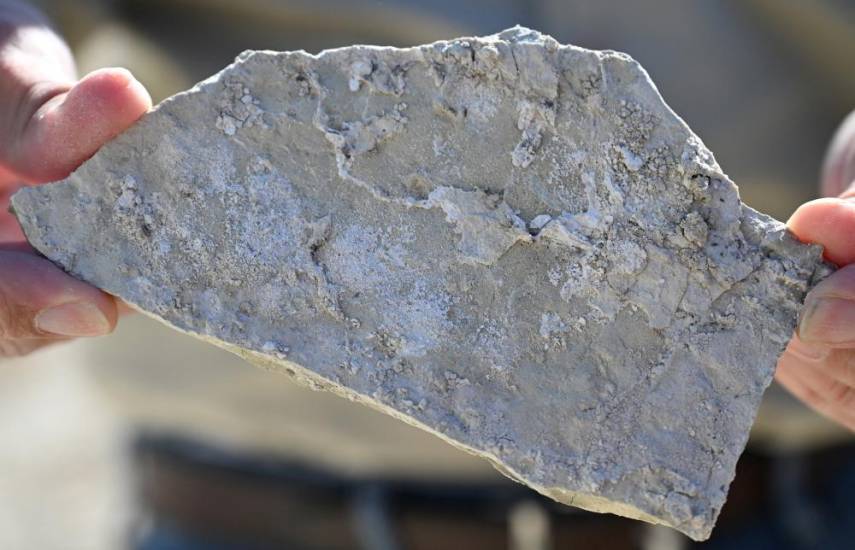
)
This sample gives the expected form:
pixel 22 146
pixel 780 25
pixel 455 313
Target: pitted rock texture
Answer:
pixel 511 243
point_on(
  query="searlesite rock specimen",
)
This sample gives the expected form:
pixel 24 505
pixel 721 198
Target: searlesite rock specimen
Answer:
pixel 511 243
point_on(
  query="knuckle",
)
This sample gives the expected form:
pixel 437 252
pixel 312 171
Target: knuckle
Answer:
pixel 15 321
pixel 839 364
pixel 16 348
pixel 842 394
pixel 849 369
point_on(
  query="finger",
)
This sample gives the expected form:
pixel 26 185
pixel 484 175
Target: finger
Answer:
pixel 49 124
pixel 828 315
pixel 10 230
pixel 35 65
pixel 66 129
pixel 20 348
pixel 829 222
pixel 837 363
pixel 7 177
pixel 839 398
pixel 838 171
pixel 840 365
pixel 39 301
pixel 814 387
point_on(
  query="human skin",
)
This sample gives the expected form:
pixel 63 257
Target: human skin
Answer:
pixel 50 122
pixel 819 364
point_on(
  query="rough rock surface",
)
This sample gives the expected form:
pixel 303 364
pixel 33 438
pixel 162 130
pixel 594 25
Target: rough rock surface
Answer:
pixel 511 243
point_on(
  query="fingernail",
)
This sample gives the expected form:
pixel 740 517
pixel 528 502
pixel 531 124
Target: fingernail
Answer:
pixel 828 320
pixel 73 319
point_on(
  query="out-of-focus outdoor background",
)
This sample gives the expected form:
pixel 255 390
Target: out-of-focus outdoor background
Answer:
pixel 147 438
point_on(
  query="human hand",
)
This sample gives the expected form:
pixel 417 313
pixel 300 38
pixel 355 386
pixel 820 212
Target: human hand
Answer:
pixel 819 364
pixel 49 124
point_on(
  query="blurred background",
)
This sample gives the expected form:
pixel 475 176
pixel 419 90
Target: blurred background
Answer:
pixel 148 439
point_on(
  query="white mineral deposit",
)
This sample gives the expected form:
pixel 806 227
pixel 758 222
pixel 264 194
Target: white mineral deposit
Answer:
pixel 511 243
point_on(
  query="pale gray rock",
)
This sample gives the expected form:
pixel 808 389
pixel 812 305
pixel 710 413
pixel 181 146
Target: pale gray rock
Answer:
pixel 513 244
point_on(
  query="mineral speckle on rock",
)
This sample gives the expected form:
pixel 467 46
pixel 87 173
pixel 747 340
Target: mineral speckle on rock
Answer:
pixel 511 243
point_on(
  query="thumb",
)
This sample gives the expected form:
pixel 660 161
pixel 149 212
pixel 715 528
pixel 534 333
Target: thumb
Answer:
pixel 828 316
pixel 39 303
pixel 68 128
pixel 829 222
pixel 48 123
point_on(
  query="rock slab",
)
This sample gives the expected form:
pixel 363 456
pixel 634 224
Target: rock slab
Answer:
pixel 508 242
